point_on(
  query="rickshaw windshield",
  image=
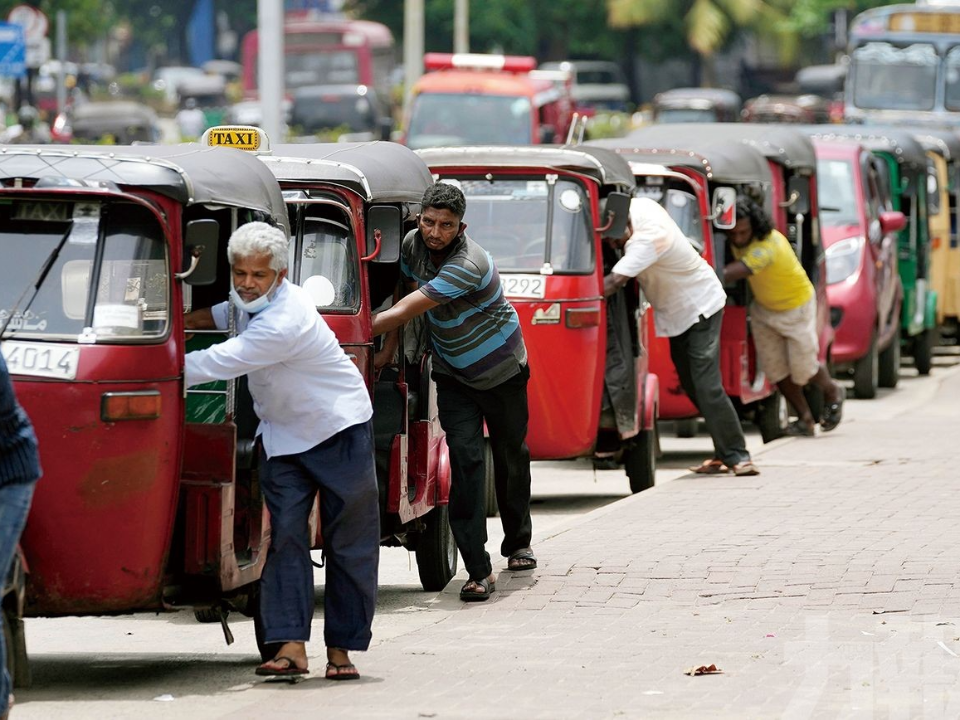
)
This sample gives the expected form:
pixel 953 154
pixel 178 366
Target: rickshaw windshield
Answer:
pixel 686 115
pixel 836 186
pixel 118 247
pixel 889 77
pixel 682 207
pixel 323 257
pixel 509 218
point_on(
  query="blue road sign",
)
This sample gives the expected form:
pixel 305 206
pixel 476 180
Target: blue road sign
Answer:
pixel 13 50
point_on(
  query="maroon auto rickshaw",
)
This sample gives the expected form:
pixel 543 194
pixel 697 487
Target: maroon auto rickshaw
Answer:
pixel 542 214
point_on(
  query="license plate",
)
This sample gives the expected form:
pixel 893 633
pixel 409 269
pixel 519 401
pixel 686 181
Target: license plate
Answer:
pixel 524 286
pixel 41 359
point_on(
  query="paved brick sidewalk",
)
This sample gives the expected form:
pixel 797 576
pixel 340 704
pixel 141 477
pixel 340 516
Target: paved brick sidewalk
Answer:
pixel 826 587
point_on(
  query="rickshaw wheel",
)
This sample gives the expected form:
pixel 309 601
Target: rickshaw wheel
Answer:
pixel 640 460
pixel 490 480
pixel 923 351
pixel 772 416
pixel 436 551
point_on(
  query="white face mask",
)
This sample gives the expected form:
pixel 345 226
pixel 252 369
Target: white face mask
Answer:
pixel 257 304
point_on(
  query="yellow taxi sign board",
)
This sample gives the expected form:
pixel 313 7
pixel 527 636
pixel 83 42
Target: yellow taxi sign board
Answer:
pixel 241 137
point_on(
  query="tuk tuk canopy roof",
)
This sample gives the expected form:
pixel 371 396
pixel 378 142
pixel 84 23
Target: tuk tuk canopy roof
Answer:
pixel 783 144
pixel 720 162
pixel 378 171
pixel 108 117
pixel 946 142
pixel 604 166
pixel 189 174
pixel 898 142
pixel 698 97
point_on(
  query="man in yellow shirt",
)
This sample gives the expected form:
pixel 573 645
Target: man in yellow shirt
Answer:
pixel 783 315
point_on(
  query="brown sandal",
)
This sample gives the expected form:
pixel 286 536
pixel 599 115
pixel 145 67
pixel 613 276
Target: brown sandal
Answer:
pixel 714 466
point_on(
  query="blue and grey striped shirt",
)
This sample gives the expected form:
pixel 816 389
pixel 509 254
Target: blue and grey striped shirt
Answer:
pixel 474 331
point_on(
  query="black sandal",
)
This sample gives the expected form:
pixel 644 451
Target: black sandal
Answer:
pixel 832 415
pixel 472 596
pixel 522 560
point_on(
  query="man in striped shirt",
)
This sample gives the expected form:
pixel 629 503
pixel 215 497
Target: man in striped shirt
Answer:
pixel 480 368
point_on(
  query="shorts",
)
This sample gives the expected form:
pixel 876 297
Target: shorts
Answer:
pixel 786 341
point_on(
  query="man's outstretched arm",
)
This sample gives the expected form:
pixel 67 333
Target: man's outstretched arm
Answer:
pixel 409 307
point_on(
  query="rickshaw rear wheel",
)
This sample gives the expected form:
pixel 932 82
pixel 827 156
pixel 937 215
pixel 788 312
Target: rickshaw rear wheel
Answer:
pixel 436 551
pixel 772 417
pixel 923 351
pixel 640 460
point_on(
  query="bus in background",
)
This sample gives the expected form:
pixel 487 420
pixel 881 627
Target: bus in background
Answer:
pixel 473 99
pixel 327 51
pixel 904 65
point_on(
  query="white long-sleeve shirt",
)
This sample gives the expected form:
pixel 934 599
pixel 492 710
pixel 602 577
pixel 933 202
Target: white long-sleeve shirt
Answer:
pixel 305 389
pixel 680 285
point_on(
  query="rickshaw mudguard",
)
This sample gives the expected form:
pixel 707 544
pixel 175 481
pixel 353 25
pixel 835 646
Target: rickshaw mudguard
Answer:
pixel 563 421
pixel 650 399
pixel 424 474
pixel 398 502
pixel 209 500
pixel 109 487
pixel 930 310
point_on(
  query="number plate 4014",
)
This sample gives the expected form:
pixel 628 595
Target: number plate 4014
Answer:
pixel 41 359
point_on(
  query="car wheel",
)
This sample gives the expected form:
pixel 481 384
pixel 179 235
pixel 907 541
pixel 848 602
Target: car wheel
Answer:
pixel 889 364
pixel 640 460
pixel 436 551
pixel 866 372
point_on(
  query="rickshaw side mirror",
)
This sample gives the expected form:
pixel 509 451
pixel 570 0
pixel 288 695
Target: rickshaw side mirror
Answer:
pixel 386 128
pixel 384 233
pixel 724 208
pixel 892 221
pixel 798 193
pixel 200 249
pixel 616 214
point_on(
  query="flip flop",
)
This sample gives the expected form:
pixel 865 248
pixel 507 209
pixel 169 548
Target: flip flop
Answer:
pixel 714 466
pixel 746 468
pixel 472 596
pixel 340 674
pixel 525 558
pixel 291 669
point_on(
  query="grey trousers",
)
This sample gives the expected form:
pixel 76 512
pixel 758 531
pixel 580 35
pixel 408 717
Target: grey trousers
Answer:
pixel 696 355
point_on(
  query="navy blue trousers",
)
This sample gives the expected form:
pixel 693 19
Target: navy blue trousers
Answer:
pixel 342 469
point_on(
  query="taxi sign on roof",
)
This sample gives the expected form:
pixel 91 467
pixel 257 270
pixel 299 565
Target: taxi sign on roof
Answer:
pixel 241 137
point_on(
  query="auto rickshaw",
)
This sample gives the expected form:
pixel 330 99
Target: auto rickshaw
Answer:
pixel 797 109
pixel 350 205
pixel 906 171
pixel 121 122
pixel 793 200
pixel 685 181
pixel 684 105
pixel 143 505
pixel 542 214
pixel 943 184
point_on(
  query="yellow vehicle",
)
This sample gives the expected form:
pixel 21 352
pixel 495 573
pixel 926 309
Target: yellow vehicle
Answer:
pixel 943 184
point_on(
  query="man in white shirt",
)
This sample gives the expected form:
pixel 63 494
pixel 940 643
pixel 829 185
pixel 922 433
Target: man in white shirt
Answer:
pixel 687 299
pixel 314 411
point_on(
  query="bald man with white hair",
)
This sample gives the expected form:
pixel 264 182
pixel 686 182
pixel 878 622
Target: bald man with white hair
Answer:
pixel 688 300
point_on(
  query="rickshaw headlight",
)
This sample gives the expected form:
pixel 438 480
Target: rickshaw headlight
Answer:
pixel 843 259
pixel 141 405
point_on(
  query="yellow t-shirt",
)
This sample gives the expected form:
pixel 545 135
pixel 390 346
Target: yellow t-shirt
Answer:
pixel 777 279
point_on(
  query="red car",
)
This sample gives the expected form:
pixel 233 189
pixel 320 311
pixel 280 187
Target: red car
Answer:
pixel 863 284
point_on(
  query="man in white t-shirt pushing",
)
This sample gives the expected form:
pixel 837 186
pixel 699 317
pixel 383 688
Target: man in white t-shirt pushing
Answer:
pixel 687 299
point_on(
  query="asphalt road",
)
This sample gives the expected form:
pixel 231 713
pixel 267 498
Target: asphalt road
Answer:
pixel 140 665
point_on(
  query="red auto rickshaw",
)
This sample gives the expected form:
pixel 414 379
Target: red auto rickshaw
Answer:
pixel 542 213
pixel 144 505
pixel 792 198
pixel 685 182
pixel 350 205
